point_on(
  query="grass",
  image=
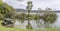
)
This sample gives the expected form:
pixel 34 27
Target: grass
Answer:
pixel 0 1
pixel 2 28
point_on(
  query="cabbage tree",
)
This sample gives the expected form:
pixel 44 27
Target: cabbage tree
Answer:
pixel 29 7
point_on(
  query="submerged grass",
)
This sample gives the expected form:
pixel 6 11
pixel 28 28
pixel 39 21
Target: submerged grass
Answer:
pixel 2 28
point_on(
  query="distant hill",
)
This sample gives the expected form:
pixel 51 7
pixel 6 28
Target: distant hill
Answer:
pixel 24 10
pixel 21 10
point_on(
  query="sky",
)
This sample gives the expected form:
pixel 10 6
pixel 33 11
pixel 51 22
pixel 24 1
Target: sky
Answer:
pixel 21 4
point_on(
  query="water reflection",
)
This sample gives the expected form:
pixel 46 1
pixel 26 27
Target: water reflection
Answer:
pixel 57 23
pixel 34 24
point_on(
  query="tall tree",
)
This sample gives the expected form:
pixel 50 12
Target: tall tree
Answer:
pixel 29 7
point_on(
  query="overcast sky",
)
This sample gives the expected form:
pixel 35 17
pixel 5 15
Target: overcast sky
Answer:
pixel 54 4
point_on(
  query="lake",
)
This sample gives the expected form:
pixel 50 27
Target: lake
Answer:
pixel 34 25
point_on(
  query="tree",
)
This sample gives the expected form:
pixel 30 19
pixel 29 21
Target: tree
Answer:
pixel 49 17
pixel 7 11
pixel 29 7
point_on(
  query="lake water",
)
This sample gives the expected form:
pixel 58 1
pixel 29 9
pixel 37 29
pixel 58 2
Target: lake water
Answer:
pixel 34 25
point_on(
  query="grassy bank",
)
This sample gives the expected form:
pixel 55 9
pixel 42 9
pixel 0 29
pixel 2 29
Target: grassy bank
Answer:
pixel 16 29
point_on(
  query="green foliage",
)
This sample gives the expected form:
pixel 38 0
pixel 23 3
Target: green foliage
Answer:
pixel 36 17
pixel 21 17
pixel 24 16
pixel 1 16
pixel 6 10
pixel 50 17
pixel 0 1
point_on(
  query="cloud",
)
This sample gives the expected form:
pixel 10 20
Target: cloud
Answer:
pixel 14 3
pixel 54 4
